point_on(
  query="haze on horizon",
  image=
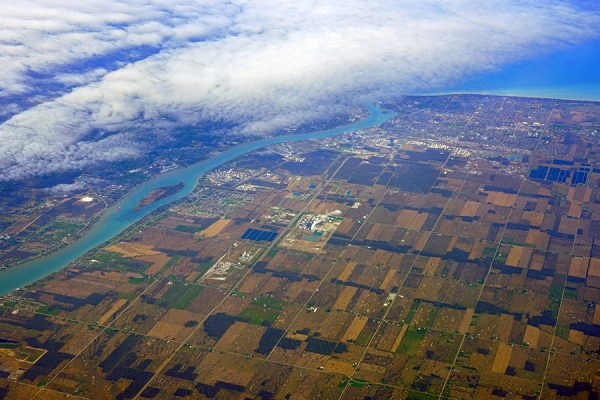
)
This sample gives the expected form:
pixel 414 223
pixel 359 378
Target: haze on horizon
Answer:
pixel 258 65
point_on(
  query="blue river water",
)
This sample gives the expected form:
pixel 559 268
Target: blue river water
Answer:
pixel 113 222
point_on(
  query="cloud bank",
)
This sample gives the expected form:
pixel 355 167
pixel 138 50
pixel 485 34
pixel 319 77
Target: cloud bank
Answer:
pixel 258 64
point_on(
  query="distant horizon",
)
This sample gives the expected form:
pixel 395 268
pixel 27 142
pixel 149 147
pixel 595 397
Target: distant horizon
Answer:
pixel 552 93
pixel 569 73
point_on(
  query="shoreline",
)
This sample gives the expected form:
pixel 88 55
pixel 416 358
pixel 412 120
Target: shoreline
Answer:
pixel 112 224
pixel 533 93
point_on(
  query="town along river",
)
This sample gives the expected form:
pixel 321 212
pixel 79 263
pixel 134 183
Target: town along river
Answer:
pixel 121 215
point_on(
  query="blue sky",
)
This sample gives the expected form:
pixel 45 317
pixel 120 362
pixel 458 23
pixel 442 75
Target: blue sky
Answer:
pixel 261 65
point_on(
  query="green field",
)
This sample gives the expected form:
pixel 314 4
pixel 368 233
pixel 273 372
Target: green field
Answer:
pixel 127 296
pixel 364 338
pixel 411 313
pixel 411 340
pixel 112 260
pixel 562 331
pixel 188 229
pixel 203 267
pixel 272 253
pixel 570 293
pixel 169 264
pixel 256 317
pixel 269 302
pixel 181 294
pixel 188 297
pixel 48 310
pixel 174 293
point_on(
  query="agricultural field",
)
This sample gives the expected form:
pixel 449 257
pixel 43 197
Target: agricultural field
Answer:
pixel 382 264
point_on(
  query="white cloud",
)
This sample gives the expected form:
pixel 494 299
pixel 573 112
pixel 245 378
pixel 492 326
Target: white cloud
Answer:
pixel 262 64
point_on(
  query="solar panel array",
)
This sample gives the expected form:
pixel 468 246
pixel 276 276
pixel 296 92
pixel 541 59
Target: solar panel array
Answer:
pixel 563 162
pixel 258 236
pixel 579 177
pixel 561 175
pixel 558 175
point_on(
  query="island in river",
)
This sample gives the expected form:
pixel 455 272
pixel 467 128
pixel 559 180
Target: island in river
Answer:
pixel 159 194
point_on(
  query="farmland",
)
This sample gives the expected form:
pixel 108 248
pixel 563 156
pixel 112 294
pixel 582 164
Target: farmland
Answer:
pixel 385 263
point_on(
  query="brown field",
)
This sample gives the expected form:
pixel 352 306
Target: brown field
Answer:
pixel 347 271
pixel 579 267
pixel 596 315
pixel 357 325
pixel 399 338
pixel 470 209
pixel 406 218
pixel 116 307
pixel 132 249
pixel 419 221
pixel 568 225
pixel 532 335
pixel 534 218
pixel 477 250
pixel 164 330
pixel 232 334
pixel 388 279
pixel 514 256
pixel 525 257
pixel 464 325
pixel 375 231
pixel 502 358
pixel 532 236
pixel 432 265
pixel 575 210
pixel 158 261
pixel 215 228
pixel 21 224
pixel 576 337
pixel 252 283
pixel 172 325
pixel 338 366
pixel 344 299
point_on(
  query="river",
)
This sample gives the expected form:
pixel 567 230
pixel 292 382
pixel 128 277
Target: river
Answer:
pixel 113 222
